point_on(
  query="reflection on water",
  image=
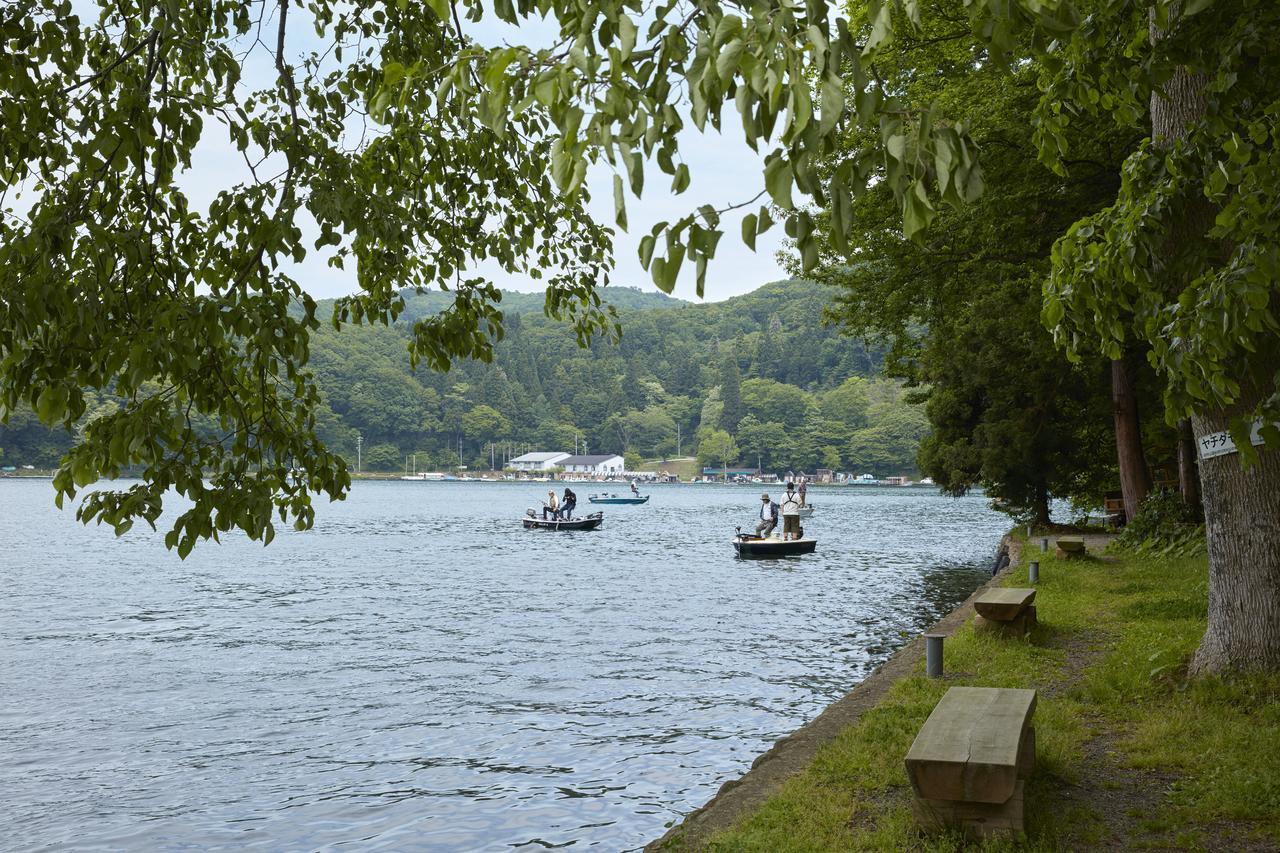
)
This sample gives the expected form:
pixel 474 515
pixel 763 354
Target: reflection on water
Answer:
pixel 420 671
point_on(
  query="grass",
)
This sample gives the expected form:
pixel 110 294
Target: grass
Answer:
pixel 686 468
pixel 1200 760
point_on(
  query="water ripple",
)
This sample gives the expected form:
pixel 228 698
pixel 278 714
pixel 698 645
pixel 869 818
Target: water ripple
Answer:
pixel 419 671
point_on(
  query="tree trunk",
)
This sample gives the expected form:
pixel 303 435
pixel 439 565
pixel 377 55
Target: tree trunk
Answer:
pixel 1135 481
pixel 1188 474
pixel 1242 517
pixel 1241 506
pixel 1040 506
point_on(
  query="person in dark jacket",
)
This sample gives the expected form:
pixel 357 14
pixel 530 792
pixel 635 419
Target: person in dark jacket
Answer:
pixel 567 504
pixel 768 516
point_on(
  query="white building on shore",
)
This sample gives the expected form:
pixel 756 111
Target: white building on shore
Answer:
pixel 538 461
pixel 605 465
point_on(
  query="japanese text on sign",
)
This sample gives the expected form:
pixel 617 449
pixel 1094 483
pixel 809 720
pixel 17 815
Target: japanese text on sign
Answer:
pixel 1220 443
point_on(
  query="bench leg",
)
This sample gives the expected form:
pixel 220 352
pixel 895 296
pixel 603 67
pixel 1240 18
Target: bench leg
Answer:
pixel 975 820
pixel 1019 626
pixel 1027 753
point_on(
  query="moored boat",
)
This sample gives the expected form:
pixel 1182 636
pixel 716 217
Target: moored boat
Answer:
pixel 586 522
pixel 748 545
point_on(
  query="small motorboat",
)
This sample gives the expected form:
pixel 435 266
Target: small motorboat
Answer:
pixel 586 522
pixel 615 499
pixel 806 511
pixel 750 546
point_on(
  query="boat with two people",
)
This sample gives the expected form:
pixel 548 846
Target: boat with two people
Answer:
pixel 583 522
pixel 751 546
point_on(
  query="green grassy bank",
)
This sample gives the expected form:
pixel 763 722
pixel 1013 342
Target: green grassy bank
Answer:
pixel 1130 754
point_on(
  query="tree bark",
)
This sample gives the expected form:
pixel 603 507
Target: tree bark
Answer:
pixel 1242 518
pixel 1040 506
pixel 1188 473
pixel 1135 480
pixel 1241 506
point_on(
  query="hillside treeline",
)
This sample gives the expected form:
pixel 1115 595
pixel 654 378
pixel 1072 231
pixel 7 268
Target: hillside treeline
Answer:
pixel 757 379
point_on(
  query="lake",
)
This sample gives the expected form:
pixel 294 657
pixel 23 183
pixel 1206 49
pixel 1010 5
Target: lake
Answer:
pixel 419 671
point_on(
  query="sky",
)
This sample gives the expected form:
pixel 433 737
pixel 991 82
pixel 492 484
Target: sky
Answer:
pixel 723 171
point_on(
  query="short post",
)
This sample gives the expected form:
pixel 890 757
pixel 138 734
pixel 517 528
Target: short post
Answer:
pixel 1044 544
pixel 1028 531
pixel 1033 572
pixel 933 655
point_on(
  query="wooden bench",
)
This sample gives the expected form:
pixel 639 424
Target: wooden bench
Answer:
pixel 1005 610
pixel 968 763
pixel 1070 546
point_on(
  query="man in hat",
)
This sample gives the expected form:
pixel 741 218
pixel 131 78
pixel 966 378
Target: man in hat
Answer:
pixel 791 513
pixel 768 516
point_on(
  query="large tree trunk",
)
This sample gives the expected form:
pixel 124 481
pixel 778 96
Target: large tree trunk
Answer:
pixel 1188 473
pixel 1135 481
pixel 1242 517
pixel 1241 506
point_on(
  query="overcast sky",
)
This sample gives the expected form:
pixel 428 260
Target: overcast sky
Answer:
pixel 723 171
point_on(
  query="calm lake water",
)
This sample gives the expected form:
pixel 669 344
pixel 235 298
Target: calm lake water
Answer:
pixel 420 672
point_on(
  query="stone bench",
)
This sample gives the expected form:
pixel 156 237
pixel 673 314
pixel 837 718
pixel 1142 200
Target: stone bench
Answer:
pixel 968 763
pixel 1070 546
pixel 1005 610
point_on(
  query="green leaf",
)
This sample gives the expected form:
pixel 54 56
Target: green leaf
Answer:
pixel 626 36
pixel 619 202
pixel 727 61
pixel 749 230
pixel 680 181
pixel 51 404
pixel 778 180
pixel 832 95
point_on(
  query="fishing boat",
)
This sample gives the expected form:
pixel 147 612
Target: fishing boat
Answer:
pixel 615 499
pixel 750 546
pixel 806 511
pixel 586 522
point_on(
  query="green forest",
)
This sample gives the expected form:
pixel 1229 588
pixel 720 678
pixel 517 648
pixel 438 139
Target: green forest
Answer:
pixel 759 379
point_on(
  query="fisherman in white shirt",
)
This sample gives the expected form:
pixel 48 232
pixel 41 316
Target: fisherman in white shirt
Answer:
pixel 791 513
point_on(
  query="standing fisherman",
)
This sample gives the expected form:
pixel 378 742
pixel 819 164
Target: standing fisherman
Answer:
pixel 791 513
pixel 566 506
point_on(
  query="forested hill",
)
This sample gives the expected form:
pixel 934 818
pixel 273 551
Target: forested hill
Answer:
pixel 516 302
pixel 759 374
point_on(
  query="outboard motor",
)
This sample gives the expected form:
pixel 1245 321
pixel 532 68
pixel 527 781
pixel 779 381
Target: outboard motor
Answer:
pixel 529 512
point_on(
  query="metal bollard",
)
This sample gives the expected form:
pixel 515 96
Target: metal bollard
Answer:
pixel 1028 531
pixel 1033 571
pixel 933 655
pixel 1044 544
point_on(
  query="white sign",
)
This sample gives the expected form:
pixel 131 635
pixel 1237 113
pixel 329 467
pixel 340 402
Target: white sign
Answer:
pixel 1220 443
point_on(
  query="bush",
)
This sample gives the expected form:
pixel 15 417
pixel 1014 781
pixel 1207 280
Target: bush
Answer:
pixel 1164 525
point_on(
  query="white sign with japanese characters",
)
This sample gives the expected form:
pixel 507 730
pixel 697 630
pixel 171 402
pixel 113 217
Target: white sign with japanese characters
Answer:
pixel 1220 443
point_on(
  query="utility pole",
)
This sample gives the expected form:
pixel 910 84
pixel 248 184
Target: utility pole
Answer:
pixel 359 448
pixel 677 440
